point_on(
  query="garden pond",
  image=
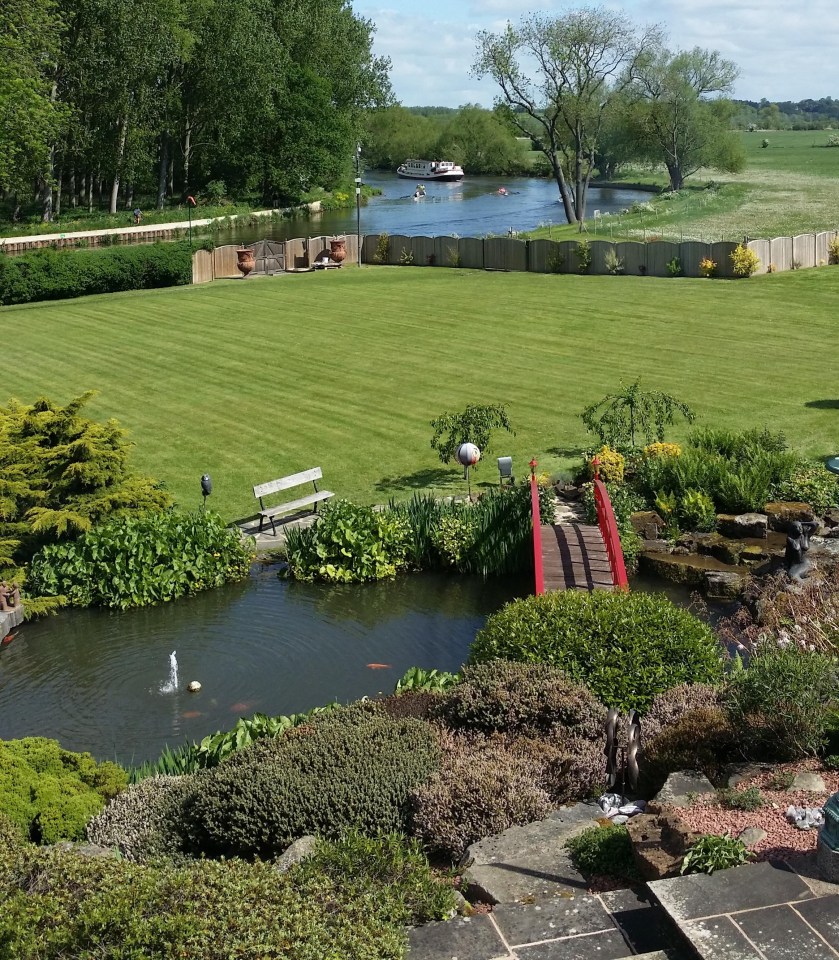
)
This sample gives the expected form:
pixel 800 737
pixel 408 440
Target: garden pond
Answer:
pixel 95 679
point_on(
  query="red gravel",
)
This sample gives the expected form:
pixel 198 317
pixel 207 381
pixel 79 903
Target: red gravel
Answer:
pixel 783 840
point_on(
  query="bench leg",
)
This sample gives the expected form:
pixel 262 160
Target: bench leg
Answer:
pixel 273 528
pixel 261 521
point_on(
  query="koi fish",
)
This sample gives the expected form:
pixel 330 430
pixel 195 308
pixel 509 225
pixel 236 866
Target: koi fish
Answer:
pixel 8 639
pixel 380 666
pixel 191 714
pixel 242 707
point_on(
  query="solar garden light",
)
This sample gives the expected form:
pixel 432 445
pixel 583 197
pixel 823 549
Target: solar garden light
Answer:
pixel 206 488
pixel 468 455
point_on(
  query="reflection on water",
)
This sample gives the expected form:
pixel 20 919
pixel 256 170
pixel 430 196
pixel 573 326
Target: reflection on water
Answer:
pixel 471 208
pixel 92 678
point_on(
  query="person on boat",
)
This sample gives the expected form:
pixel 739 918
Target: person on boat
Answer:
pixel 502 191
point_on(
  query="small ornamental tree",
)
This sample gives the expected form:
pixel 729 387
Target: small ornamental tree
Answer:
pixel 474 425
pixel 617 418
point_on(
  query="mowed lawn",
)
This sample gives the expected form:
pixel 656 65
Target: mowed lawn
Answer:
pixel 253 380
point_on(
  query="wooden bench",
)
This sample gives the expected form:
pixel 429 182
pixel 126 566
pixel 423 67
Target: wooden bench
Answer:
pixel 263 490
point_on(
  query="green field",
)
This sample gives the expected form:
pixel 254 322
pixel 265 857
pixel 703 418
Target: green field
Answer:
pixel 789 187
pixel 254 380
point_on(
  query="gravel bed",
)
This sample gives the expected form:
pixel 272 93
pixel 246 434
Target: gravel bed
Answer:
pixel 783 840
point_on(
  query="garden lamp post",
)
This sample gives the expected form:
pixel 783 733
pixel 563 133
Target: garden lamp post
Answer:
pixel 358 201
pixel 468 455
pixel 206 488
pixel 190 203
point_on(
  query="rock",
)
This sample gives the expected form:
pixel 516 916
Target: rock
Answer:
pixel 809 782
pixel 681 787
pixel 708 543
pixel 655 546
pixel 738 772
pixel 620 819
pixel 750 555
pixel 805 818
pixel 462 905
pixel 823 545
pixel 781 513
pixel 647 524
pixel 831 517
pixel 92 850
pixel 742 525
pixel 752 835
pixel 720 585
pixel 659 842
pixel 301 849
pixel 193 686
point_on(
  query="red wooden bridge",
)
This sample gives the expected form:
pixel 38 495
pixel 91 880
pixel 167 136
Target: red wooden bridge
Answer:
pixel 577 556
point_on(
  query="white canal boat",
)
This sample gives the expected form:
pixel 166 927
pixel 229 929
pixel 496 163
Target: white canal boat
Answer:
pixel 442 170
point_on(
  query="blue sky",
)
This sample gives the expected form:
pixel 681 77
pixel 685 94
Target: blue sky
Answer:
pixel 785 50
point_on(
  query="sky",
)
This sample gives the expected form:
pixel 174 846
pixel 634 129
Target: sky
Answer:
pixel 785 51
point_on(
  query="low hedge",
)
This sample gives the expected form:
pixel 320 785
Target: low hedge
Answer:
pixel 58 275
pixel 625 647
pixel 48 793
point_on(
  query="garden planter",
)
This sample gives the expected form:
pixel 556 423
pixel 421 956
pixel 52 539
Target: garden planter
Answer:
pixel 245 260
pixel 338 250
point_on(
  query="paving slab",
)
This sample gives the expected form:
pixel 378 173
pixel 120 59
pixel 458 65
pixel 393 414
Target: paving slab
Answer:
pixel 823 916
pixel 522 923
pixel 780 933
pixel 467 938
pixel 530 862
pixel 728 891
pixel 608 945
pixel 718 938
pixel 644 924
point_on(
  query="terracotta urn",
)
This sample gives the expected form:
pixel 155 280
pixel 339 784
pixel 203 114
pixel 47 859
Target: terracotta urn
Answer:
pixel 338 249
pixel 245 260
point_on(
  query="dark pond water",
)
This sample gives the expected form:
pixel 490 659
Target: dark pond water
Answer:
pixel 471 208
pixel 92 679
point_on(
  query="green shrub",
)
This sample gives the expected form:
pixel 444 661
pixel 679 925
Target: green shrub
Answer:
pixel 140 821
pixel 831 762
pixel 744 262
pixel 508 696
pixel 625 647
pixel 813 485
pixel 135 561
pixel 674 267
pixel 58 905
pixel 48 793
pixel 349 768
pixel 780 703
pixel 671 706
pixel 696 511
pixel 57 275
pixel 701 739
pixel 782 780
pixel 584 256
pixel 714 852
pixel 733 799
pixel 625 501
pixel 382 248
pixel 604 851
pixel 418 679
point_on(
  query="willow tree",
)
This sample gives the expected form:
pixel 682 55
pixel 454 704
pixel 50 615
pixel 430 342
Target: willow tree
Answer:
pixel 559 78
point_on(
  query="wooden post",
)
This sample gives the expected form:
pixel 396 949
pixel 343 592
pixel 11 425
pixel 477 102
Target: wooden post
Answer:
pixel 537 530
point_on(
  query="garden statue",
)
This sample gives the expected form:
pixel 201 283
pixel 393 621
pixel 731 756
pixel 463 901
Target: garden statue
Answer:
pixel 625 770
pixel 798 543
pixel 9 596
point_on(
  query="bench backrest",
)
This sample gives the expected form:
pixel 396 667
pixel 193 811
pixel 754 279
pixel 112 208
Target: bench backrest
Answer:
pixel 274 486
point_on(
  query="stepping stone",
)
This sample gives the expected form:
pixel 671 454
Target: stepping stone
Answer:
pixel 680 788
pixel 523 923
pixel 645 926
pixel 752 835
pixel 467 938
pixel 530 862
pixel 810 782
pixel 608 945
pixel 780 932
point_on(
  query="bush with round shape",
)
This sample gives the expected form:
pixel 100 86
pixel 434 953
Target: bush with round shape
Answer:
pixel 672 705
pixel 610 467
pixel 702 739
pixel 503 695
pixel 625 647
pixel 781 702
pixel 50 793
pixel 140 821
pixel 349 768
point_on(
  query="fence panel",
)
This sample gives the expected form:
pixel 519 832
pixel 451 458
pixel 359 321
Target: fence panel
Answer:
pixel 659 254
pixel 446 253
pixel 804 251
pixel 424 253
pixel 569 256
pixel 721 255
pixel 634 256
pixel 225 260
pixel 780 254
pixel 296 254
pixel 822 252
pixel 600 250
pixel 761 248
pixel 691 252
pixel 369 248
pixel 543 256
pixel 202 266
pixel 505 253
pixel 398 245
pixel 471 251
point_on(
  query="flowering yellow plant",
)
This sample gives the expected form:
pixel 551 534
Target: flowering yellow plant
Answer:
pixel 707 267
pixel 658 451
pixel 611 465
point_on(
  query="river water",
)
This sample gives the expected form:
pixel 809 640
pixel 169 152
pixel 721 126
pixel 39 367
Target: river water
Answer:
pixel 471 208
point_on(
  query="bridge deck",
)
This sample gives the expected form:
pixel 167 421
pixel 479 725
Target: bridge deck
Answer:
pixel 574 558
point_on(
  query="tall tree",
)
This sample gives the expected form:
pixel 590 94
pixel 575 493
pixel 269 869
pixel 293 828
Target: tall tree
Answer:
pixel 561 75
pixel 681 121
pixel 480 142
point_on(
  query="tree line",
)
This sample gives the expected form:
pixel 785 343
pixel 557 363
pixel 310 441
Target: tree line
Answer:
pixel 106 100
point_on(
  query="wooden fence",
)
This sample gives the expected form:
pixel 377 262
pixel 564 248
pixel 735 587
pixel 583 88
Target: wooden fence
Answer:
pixel 655 258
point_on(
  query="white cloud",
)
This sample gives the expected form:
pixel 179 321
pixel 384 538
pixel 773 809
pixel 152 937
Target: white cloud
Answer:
pixel 784 51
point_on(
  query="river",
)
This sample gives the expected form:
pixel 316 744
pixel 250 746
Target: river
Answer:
pixel 471 208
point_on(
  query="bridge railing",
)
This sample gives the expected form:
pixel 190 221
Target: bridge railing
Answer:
pixel 537 530
pixel 609 529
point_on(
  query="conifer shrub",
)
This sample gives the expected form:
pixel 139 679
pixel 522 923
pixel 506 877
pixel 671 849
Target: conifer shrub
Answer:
pixel 625 647
pixel 507 696
pixel 48 793
pixel 351 768
pixel 57 275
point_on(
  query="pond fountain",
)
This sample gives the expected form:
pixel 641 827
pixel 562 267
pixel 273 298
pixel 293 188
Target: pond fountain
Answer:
pixel 171 685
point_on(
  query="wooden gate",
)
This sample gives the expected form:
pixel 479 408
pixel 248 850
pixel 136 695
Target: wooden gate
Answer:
pixel 269 256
